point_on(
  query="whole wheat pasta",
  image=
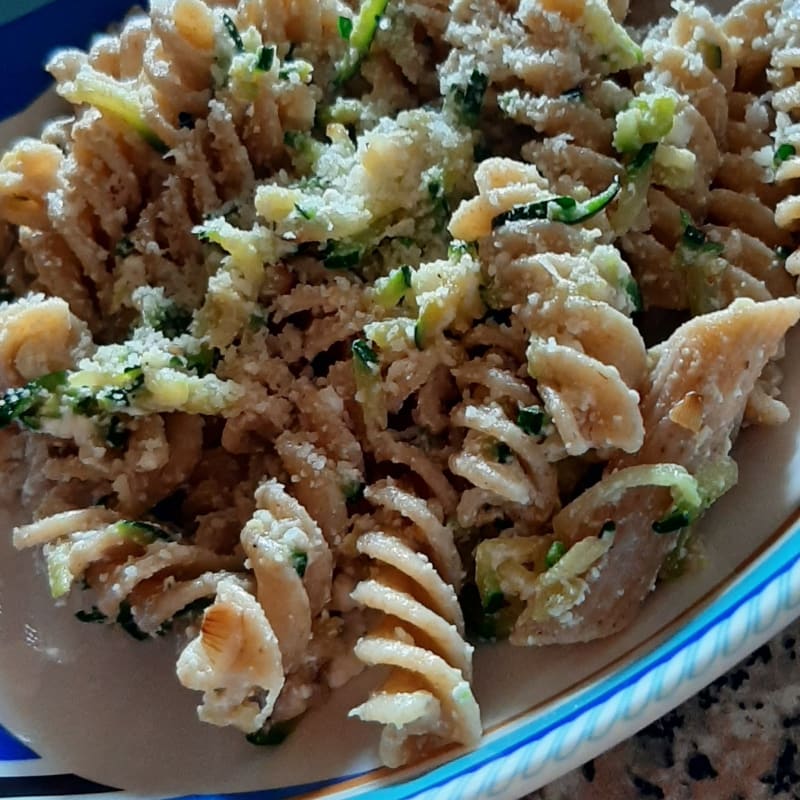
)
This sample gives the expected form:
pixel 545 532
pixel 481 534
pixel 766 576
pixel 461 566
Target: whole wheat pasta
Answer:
pixel 334 337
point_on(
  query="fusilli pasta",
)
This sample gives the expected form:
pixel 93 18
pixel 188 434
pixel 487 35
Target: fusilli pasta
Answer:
pixel 335 337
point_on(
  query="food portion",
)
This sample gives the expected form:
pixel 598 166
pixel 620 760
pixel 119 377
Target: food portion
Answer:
pixel 340 336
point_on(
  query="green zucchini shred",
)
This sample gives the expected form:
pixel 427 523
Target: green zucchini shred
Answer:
pixel 560 209
pixel 362 33
pixel 555 553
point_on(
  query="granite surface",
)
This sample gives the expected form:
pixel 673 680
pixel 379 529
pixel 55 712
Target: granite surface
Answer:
pixel 737 739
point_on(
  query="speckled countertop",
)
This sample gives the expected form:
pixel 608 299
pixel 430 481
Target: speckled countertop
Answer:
pixel 737 739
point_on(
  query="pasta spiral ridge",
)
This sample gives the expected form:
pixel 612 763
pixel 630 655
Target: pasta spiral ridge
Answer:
pixel 141 574
pixel 507 468
pixel 290 566
pixel 557 285
pixel 784 77
pixel 426 702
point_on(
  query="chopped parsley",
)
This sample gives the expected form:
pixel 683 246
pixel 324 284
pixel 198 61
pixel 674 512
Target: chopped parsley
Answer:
pixel 299 562
pixel 341 255
pixel 694 239
pixel 469 99
pixel 783 153
pixel 345 26
pixel 532 420
pixel 204 361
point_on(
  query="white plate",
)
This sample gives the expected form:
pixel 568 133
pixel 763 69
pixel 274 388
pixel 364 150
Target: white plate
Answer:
pixel 96 704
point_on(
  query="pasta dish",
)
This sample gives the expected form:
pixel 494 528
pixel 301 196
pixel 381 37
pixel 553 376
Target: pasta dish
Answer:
pixel 340 336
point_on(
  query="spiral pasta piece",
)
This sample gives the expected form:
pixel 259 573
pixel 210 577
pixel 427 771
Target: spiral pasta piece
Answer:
pixel 291 564
pixel 308 299
pixel 508 467
pixel 140 573
pixel 716 358
pixel 426 702
pixel 784 77
pixel 235 661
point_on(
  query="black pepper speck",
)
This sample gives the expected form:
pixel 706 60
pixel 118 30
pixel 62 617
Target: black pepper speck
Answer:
pixel 588 770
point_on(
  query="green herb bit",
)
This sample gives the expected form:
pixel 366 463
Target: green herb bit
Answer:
pixel 419 336
pixel 711 53
pixel 365 357
pixel 341 255
pixel 494 602
pixel 441 207
pixel 204 361
pixel 257 322
pixel 532 420
pixel 127 623
pixel 354 491
pixel 233 32
pixel 345 26
pixel 299 562
pixel 304 213
pixel 560 209
pixel 266 57
pixel 124 247
pixel 502 452
pixel 458 249
pixel 172 320
pixel 362 34
pixel 95 615
pixel 694 239
pixel 672 522
pixel 272 737
pixel 783 153
pixel 635 294
pixel 469 100
pixel 642 159
pixel 23 404
pixel 555 553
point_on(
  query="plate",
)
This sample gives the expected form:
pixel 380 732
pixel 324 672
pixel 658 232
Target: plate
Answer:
pixel 94 713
